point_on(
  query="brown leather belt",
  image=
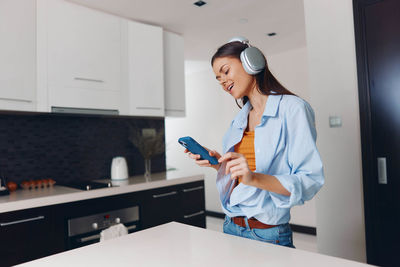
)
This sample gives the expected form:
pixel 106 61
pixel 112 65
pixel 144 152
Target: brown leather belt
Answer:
pixel 253 223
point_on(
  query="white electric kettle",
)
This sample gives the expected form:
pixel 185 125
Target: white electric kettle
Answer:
pixel 119 169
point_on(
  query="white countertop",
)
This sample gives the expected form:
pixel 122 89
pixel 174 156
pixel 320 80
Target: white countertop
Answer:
pixel 25 199
pixel 176 244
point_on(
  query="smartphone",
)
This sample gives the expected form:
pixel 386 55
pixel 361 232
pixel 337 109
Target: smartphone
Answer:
pixel 195 148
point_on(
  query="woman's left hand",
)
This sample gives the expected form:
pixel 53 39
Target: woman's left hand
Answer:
pixel 238 167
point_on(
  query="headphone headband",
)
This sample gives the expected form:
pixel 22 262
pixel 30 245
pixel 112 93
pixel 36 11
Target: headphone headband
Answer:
pixel 239 39
pixel 252 58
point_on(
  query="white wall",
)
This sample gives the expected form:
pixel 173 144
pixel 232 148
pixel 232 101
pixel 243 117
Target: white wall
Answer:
pixel 291 69
pixel 208 107
pixel 333 91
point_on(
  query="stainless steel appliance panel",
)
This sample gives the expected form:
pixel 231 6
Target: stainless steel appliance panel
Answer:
pixel 87 224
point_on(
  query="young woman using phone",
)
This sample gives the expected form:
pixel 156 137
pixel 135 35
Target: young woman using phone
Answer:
pixel 269 161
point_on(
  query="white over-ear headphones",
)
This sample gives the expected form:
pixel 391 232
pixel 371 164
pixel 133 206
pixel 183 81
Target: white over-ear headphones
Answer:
pixel 252 58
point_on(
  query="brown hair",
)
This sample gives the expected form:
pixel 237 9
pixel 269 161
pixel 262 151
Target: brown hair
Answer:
pixel 266 82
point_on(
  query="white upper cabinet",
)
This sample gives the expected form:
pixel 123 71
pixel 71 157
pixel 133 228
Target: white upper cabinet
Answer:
pixel 174 75
pixel 55 53
pixel 145 77
pixel 17 55
pixel 82 49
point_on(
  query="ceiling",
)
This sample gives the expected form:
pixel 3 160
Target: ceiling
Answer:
pixel 206 28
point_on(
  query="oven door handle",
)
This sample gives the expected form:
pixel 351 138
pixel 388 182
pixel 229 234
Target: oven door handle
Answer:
pixel 88 238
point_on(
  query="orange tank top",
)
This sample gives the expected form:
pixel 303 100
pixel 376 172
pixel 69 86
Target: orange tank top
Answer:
pixel 246 147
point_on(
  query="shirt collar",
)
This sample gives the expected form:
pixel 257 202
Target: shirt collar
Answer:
pixel 272 105
pixel 271 108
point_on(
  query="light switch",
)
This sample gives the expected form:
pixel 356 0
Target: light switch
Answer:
pixel 335 121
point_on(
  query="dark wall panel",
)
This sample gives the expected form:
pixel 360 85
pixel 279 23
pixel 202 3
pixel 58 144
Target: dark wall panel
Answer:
pixel 70 147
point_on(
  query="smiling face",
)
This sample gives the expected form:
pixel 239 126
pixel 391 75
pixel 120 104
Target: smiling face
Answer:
pixel 232 77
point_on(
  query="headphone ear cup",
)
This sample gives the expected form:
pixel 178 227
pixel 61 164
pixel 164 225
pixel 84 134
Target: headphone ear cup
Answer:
pixel 252 60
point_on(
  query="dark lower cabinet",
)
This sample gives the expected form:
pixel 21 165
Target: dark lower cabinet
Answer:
pixel 193 204
pixel 181 203
pixel 160 206
pixel 34 233
pixel 27 235
pixel 198 219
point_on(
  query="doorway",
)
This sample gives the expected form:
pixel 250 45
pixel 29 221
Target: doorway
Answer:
pixel 378 62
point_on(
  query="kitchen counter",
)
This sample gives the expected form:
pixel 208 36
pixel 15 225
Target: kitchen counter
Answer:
pixel 176 244
pixel 25 199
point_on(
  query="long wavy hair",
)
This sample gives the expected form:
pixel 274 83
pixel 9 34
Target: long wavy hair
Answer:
pixel 267 84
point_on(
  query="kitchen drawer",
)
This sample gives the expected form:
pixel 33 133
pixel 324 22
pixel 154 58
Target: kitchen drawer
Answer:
pixel 26 235
pixel 197 218
pixel 161 206
pixel 192 197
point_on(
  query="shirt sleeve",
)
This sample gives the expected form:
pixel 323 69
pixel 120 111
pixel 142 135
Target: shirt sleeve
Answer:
pixel 306 176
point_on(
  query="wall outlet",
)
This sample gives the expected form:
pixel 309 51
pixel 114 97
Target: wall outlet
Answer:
pixel 335 121
pixel 148 132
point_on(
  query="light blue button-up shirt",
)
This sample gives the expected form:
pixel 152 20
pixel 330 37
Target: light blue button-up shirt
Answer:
pixel 285 147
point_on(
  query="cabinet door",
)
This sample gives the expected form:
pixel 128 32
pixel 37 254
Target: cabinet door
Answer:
pixel 17 55
pixel 145 70
pixel 26 235
pixel 193 204
pixel 160 206
pixel 83 56
pixel 174 75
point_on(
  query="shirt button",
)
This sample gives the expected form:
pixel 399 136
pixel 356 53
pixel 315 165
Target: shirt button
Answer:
pixel 258 150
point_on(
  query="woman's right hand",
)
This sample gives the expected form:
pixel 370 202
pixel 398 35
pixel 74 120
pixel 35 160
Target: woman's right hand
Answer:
pixel 205 162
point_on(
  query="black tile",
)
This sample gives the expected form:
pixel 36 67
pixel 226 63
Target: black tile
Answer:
pixel 70 148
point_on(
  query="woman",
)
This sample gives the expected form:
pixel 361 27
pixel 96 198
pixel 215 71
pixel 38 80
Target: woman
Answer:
pixel 270 161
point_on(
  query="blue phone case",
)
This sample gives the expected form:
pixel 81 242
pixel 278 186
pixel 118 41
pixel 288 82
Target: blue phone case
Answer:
pixel 195 148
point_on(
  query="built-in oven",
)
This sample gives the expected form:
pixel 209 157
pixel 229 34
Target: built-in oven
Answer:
pixel 86 230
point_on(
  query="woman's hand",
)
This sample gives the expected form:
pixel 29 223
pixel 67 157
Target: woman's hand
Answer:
pixel 238 167
pixel 205 162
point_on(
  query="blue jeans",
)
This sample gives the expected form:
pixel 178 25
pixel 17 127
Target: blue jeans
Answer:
pixel 279 235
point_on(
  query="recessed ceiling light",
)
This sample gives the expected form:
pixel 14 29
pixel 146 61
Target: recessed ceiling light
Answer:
pixel 271 34
pixel 199 3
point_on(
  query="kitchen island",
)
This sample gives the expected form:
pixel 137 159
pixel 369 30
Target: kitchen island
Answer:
pixel 175 244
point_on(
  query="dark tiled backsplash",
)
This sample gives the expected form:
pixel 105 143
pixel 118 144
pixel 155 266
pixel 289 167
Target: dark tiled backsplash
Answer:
pixel 70 147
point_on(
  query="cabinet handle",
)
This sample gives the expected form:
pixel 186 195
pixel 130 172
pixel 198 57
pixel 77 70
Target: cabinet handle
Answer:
pixel 148 108
pixel 382 173
pixel 170 109
pixel 192 189
pixel 88 238
pixel 165 195
pixel 88 80
pixel 22 221
pixel 14 99
pixel 132 227
pixel 193 215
